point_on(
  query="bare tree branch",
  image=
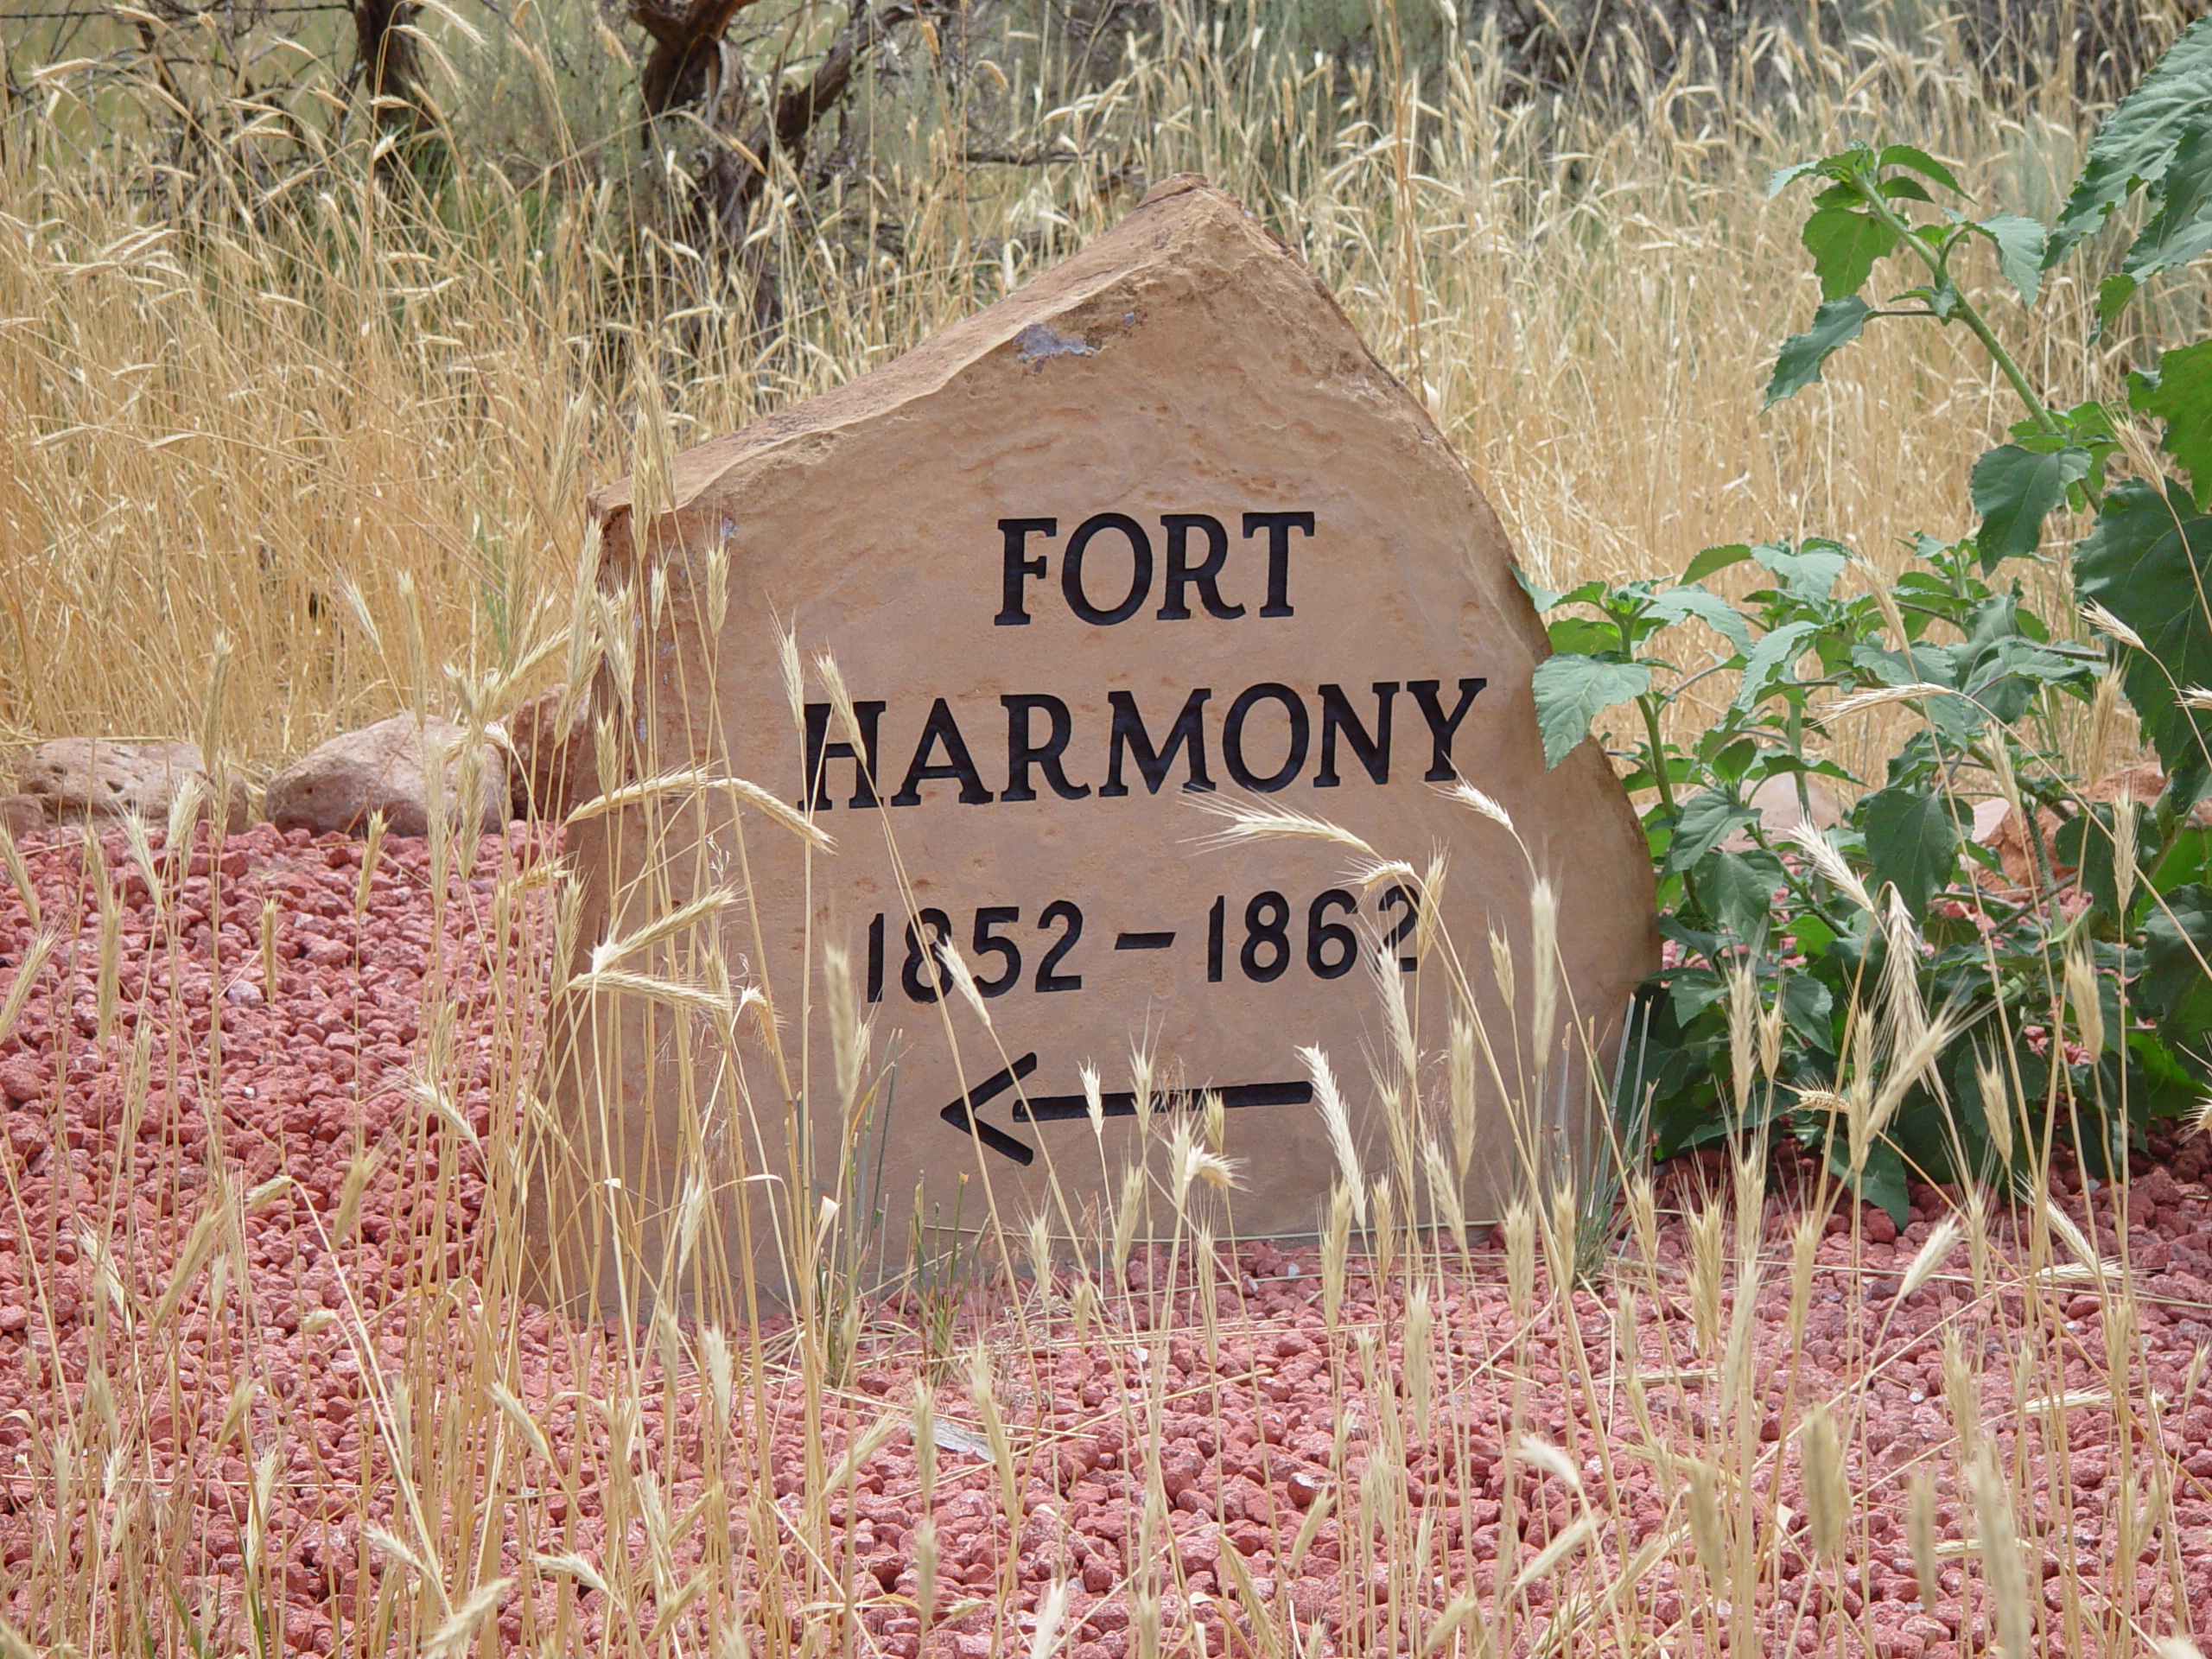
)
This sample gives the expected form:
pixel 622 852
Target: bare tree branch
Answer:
pixel 685 45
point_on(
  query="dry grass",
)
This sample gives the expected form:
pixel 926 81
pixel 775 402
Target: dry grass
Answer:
pixel 225 425
pixel 352 444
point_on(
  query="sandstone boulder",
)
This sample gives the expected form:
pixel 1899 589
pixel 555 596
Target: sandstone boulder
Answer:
pixel 554 770
pixel 77 777
pixel 21 814
pixel 1780 809
pixel 381 768
pixel 2000 829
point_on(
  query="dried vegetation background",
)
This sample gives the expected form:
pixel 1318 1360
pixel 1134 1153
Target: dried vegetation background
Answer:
pixel 315 352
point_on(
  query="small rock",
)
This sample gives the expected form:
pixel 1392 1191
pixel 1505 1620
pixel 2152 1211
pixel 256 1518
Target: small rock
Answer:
pixel 79 778
pixel 1780 811
pixel 1309 1600
pixel 21 1080
pixel 2142 785
pixel 380 768
pixel 555 769
pixel 21 814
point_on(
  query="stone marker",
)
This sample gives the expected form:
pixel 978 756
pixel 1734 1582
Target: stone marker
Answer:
pixel 1154 532
pixel 78 778
pixel 337 786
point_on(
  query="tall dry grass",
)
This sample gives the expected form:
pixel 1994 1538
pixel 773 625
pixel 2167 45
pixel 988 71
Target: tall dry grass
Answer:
pixel 234 422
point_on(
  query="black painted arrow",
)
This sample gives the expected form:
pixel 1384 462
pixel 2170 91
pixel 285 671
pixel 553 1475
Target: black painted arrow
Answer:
pixel 962 1113
pixel 1054 1108
pixel 1049 1109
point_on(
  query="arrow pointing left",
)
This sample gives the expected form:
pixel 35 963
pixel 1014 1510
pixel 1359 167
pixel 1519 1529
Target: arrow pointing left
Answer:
pixel 962 1113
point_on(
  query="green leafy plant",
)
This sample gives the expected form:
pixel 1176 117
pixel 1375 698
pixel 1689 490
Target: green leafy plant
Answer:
pixel 1884 986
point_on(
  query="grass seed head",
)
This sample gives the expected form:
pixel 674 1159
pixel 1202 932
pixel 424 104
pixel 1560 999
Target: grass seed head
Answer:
pixel 1942 1238
pixel 1336 1249
pixel 1708 1534
pixel 1827 1495
pixel 1336 1117
pixel 1520 1225
pixel 1920 1534
pixel 2082 996
pixel 2001 1563
pixel 1708 1225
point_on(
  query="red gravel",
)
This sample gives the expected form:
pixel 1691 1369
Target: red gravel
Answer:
pixel 99 1208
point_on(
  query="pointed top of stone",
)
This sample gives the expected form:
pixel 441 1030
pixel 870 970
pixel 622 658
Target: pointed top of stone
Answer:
pixel 1186 244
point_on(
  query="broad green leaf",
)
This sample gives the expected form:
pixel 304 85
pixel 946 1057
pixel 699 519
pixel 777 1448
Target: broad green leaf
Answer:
pixel 1783 177
pixel 2138 140
pixel 2149 562
pixel 1809 572
pixel 2113 295
pixel 1845 243
pixel 1849 164
pixel 2014 491
pixel 2020 251
pixel 1768 662
pixel 2182 228
pixel 1583 633
pixel 1709 608
pixel 2187 858
pixel 1571 691
pixel 1716 558
pixel 2159 1081
pixel 1544 599
pixel 1809 1007
pixel 1797 365
pixel 1882 1182
pixel 2088 844
pixel 1693 990
pixel 2177 945
pixel 2180 392
pixel 1913 842
pixel 1921 162
pixel 1707 818
pixel 1739 889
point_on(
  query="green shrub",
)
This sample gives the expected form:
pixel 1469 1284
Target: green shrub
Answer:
pixel 2085 995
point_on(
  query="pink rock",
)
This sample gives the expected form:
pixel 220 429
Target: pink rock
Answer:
pixel 79 778
pixel 339 786
pixel 21 815
pixel 554 768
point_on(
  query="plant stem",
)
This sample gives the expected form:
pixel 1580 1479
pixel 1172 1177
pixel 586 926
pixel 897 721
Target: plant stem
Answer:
pixel 1649 703
pixel 1967 314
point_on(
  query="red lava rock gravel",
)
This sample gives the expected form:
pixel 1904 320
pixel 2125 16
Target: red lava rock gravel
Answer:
pixel 261 1415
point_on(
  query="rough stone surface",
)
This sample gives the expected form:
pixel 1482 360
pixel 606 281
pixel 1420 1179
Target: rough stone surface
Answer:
pixel 2000 829
pixel 338 785
pixel 1163 487
pixel 553 768
pixel 77 777
pixel 22 814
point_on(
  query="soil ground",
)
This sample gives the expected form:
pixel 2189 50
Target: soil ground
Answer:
pixel 296 1353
